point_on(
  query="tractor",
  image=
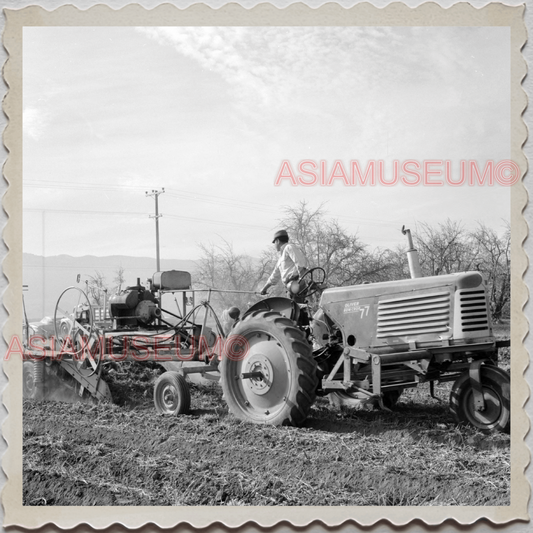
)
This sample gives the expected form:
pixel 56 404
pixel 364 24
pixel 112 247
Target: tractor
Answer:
pixel 364 343
pixel 369 342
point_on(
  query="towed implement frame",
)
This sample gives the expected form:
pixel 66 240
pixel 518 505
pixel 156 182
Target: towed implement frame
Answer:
pixel 135 327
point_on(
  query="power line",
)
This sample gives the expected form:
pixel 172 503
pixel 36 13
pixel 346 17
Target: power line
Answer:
pixel 361 222
pixel 134 213
pixel 78 186
pixel 236 224
pixel 93 267
pixel 187 195
pixel 220 200
pixel 83 211
pixel 176 193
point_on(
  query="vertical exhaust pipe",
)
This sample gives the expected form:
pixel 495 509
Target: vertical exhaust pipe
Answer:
pixel 412 256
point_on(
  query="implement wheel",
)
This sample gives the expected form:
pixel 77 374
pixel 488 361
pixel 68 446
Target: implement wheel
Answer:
pixel 75 331
pixel 28 385
pixel 267 371
pixel 496 393
pixel 171 394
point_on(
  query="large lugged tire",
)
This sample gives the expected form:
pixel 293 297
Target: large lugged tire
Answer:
pixel 171 394
pixel 269 343
pixel 496 393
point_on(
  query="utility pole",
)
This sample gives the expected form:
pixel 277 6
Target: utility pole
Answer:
pixel 156 194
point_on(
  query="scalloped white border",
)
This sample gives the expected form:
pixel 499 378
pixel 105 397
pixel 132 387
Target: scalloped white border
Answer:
pixel 202 516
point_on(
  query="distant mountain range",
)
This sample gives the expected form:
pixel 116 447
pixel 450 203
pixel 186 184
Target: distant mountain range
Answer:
pixel 47 277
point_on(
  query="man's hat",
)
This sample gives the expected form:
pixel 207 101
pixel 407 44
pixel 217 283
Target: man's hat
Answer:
pixel 280 233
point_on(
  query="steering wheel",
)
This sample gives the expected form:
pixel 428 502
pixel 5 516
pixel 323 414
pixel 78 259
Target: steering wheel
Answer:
pixel 316 278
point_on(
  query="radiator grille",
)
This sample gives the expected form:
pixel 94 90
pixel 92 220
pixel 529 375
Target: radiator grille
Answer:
pixel 414 315
pixel 473 310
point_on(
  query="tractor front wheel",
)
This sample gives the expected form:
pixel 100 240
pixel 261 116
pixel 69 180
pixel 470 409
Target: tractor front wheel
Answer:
pixel 171 394
pixel 495 416
pixel 268 374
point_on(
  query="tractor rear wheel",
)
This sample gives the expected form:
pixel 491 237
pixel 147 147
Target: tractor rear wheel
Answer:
pixel 268 374
pixel 171 394
pixel 495 416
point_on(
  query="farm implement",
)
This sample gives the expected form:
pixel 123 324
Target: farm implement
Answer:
pixel 134 327
pixel 365 343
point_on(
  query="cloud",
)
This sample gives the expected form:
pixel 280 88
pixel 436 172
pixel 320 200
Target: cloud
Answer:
pixel 354 84
pixel 265 67
pixel 286 68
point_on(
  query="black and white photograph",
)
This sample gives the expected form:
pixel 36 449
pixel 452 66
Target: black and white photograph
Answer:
pixel 269 265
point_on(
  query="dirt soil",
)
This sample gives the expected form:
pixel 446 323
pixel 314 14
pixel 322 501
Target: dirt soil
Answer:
pixel 126 454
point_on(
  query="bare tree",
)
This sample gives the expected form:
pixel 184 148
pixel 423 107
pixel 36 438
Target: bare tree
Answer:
pixel 397 263
pixel 220 267
pixel 448 248
pixel 444 249
pixel 494 261
pixel 327 244
pixel 119 278
pixel 96 286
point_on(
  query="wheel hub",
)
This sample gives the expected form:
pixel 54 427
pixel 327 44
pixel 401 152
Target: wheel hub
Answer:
pixel 491 411
pixel 258 363
pixel 169 396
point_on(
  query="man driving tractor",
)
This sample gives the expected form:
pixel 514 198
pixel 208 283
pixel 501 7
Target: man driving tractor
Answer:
pixel 292 263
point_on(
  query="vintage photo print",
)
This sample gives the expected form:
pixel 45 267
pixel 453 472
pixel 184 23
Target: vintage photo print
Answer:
pixel 265 258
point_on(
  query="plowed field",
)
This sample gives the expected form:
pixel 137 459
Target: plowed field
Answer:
pixel 125 454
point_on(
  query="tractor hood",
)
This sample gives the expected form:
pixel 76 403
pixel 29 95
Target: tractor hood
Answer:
pixel 461 280
pixel 422 309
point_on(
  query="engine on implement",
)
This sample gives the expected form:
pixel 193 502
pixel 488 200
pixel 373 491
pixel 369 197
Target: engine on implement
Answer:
pixel 134 307
pixel 365 343
pixel 139 307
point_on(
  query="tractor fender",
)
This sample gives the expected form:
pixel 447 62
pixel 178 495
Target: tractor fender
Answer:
pixel 284 306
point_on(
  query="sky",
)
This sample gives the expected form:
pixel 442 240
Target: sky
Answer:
pixel 210 113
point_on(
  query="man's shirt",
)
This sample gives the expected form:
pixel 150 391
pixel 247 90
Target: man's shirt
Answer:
pixel 291 258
